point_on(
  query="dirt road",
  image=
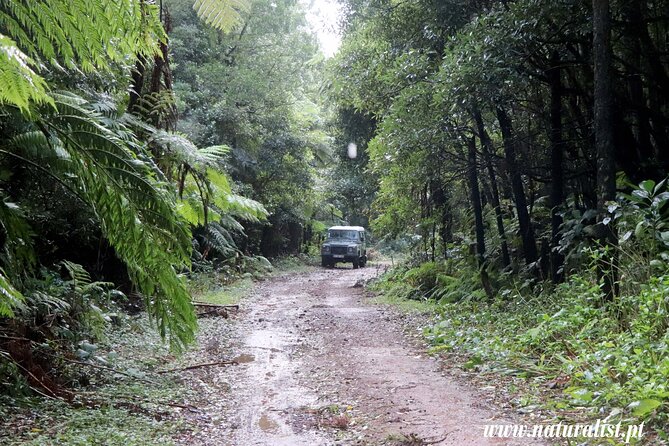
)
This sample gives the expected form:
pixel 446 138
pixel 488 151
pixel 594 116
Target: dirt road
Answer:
pixel 320 366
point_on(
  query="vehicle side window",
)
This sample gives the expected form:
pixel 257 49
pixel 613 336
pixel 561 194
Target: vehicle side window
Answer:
pixel 362 236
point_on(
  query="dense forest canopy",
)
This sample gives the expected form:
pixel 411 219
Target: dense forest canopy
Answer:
pixel 488 112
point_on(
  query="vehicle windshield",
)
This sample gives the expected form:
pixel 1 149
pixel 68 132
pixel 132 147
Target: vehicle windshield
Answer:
pixel 342 235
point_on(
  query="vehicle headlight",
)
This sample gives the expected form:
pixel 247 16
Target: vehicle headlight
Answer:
pixel 351 249
pixel 326 249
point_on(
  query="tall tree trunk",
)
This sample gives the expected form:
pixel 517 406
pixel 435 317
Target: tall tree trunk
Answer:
pixel 526 232
pixel 487 148
pixel 604 144
pixel 644 165
pixel 472 176
pixel 557 178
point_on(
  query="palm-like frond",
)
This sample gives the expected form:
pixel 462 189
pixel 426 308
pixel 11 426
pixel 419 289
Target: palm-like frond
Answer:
pixel 224 15
pixel 9 296
pixel 136 210
pixel 75 34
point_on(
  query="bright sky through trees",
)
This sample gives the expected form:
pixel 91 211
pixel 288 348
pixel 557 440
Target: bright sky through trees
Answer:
pixel 323 16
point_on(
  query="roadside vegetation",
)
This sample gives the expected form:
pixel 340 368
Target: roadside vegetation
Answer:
pixel 153 156
pixel 519 148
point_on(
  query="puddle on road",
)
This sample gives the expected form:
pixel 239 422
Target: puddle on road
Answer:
pixel 266 424
pixel 244 358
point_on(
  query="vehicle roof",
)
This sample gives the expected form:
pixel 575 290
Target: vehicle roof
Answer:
pixel 346 228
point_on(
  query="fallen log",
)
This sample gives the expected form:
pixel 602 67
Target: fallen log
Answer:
pixel 197 366
pixel 205 304
pixel 222 312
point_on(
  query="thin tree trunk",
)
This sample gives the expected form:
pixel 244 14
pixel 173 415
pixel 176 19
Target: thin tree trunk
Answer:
pixel 604 144
pixel 557 178
pixel 472 176
pixel 487 149
pixel 526 232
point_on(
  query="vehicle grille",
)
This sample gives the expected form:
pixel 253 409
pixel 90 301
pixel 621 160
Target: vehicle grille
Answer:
pixel 338 249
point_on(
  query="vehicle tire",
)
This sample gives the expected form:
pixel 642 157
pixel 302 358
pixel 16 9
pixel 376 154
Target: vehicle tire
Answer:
pixel 356 263
pixel 325 263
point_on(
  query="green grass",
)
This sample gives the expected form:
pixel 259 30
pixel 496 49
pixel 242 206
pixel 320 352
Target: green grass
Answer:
pixel 58 423
pixel 226 294
pixel 405 305
pixel 295 264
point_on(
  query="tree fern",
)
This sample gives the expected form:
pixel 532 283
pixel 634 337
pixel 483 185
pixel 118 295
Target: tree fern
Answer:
pixel 72 34
pixel 224 15
pixel 135 207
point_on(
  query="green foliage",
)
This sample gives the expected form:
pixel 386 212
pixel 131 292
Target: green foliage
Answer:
pixel 19 84
pixel 436 281
pixel 256 91
pixel 97 158
pixel 224 15
pixel 9 296
pixel 78 34
pixel 565 335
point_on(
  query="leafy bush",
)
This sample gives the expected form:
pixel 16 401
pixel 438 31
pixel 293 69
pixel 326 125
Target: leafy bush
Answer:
pixel 60 316
pixel 608 363
pixel 437 281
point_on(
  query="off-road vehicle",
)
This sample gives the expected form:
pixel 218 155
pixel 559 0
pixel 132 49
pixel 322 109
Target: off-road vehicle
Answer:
pixel 344 244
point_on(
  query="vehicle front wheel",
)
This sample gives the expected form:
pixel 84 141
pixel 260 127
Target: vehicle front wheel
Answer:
pixel 356 263
pixel 325 263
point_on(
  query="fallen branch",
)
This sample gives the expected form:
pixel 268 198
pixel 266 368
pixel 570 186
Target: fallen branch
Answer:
pixel 222 312
pixel 197 366
pixel 442 439
pixel 53 395
pixel 109 369
pixel 205 304
pixel 15 338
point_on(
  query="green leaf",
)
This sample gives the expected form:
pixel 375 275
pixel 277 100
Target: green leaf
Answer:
pixel 644 407
pixel 647 185
pixel 224 15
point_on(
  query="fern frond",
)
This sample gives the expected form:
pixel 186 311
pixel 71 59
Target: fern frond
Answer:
pixel 17 253
pixel 19 84
pixel 136 210
pixel 9 296
pixel 182 151
pixel 86 35
pixel 219 239
pixel 224 15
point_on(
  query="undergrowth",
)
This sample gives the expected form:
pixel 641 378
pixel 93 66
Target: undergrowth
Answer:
pixel 113 393
pixel 610 360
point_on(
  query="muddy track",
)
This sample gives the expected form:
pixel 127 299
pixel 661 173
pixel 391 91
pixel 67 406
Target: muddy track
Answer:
pixel 320 366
